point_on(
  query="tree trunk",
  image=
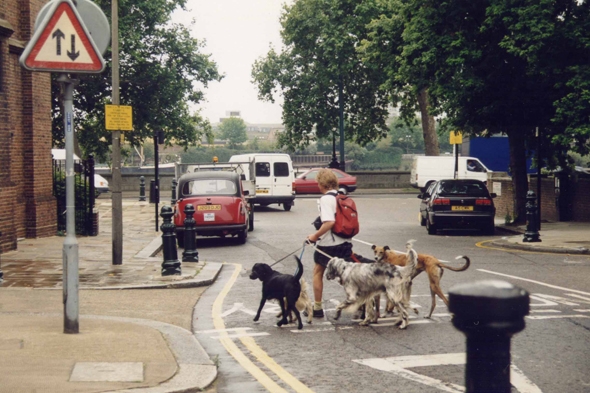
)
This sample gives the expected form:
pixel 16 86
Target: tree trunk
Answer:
pixel 519 175
pixel 428 125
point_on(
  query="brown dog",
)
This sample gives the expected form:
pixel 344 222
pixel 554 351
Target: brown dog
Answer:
pixel 432 266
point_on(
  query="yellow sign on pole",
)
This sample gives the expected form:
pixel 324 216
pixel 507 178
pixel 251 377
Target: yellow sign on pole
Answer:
pixel 456 138
pixel 118 117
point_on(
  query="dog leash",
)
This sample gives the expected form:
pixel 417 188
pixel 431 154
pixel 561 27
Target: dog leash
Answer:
pixel 291 253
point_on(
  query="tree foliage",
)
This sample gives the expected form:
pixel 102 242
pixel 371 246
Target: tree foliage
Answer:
pixel 320 58
pixel 162 70
pixel 234 130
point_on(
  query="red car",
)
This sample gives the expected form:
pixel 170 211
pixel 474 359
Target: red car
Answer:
pixel 220 203
pixel 306 183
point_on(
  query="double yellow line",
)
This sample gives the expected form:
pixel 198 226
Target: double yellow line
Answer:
pixel 254 349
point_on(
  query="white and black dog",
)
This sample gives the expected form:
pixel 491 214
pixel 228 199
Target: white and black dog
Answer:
pixel 279 286
pixel 362 281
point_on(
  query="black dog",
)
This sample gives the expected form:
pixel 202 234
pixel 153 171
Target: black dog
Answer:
pixel 279 286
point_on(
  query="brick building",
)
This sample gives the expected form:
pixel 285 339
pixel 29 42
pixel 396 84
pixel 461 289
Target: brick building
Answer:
pixel 27 205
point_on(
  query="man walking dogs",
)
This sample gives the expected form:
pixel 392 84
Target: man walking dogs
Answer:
pixel 329 242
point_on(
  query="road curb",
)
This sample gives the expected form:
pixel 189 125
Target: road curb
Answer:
pixel 206 276
pixel 548 249
pixel 196 371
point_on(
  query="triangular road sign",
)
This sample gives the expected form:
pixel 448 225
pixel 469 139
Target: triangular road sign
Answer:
pixel 62 43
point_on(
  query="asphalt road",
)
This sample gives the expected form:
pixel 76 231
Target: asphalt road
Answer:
pixel 550 355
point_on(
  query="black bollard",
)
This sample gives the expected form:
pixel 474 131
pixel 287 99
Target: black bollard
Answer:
pixel 190 253
pixel 171 264
pixel 532 227
pixel 488 313
pixel 141 189
pixel 174 185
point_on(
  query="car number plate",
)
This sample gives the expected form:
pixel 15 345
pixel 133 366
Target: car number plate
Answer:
pixel 462 208
pixel 209 217
pixel 262 191
pixel 208 207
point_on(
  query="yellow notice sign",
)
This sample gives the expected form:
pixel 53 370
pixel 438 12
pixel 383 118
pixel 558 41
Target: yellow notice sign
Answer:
pixel 118 117
pixel 456 138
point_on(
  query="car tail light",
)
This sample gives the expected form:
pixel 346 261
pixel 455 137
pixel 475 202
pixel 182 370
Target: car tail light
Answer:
pixel 484 202
pixel 441 201
pixel 293 186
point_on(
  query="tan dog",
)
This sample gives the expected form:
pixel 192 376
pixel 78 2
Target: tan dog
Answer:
pixel 432 266
pixel 303 303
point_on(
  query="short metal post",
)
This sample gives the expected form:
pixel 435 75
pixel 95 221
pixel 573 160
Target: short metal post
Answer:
pixel 174 185
pixel 142 189
pixel 488 313
pixel 532 228
pixel 171 264
pixel 190 253
pixel 1 273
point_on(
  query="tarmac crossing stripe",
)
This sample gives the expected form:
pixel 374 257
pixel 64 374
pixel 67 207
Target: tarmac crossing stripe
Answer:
pixel 535 282
pixel 243 334
pixel 249 342
pixel 558 316
pixel 224 330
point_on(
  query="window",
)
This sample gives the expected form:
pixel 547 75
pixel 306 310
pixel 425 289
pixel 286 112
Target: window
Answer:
pixel 338 174
pixel 281 169
pixel 311 175
pixel 476 189
pixel 209 187
pixel 474 166
pixel 263 169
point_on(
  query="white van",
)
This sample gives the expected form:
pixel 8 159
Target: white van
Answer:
pixel 427 169
pixel 274 178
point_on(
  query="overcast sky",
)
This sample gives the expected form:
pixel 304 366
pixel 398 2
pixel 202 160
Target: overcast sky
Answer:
pixel 237 32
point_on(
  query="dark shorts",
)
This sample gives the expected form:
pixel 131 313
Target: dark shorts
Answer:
pixel 343 250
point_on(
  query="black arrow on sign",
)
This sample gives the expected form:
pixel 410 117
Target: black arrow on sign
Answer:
pixel 58 35
pixel 73 54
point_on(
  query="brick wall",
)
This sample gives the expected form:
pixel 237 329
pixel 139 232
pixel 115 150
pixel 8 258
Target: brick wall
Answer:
pixel 27 206
pixel 580 190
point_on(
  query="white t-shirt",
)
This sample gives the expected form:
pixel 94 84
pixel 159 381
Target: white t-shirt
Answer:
pixel 327 207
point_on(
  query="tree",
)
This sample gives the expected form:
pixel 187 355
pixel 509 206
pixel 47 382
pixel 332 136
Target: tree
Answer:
pixel 319 61
pixel 162 70
pixel 234 130
pixel 407 87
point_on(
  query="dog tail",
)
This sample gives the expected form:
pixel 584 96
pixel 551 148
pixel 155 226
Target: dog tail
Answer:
pixel 411 259
pixel 458 269
pixel 299 271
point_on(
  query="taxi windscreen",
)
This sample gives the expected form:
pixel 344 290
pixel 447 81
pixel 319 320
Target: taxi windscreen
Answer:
pixel 209 187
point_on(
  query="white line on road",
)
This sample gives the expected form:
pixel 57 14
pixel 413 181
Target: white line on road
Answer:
pixel 581 310
pixel 545 311
pixel 535 282
pixel 558 316
pixel 586 300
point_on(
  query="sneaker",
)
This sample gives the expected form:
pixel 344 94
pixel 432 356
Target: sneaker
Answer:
pixel 318 313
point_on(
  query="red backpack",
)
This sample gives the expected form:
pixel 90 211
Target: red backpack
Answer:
pixel 347 219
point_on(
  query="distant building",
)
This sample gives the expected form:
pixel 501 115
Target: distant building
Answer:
pixel 260 131
pixel 27 205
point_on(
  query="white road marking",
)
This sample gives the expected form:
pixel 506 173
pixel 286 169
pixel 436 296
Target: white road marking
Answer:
pixel 238 307
pixel 535 282
pixel 442 315
pixel 581 310
pixel 399 365
pixel 239 335
pixel 397 323
pixel 545 311
pixel 557 316
pixel 585 299
pixel 222 330
pixel 327 329
pixel 544 302
pixel 557 299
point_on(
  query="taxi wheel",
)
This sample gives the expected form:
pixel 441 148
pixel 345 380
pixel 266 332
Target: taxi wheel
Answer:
pixel 242 236
pixel 287 206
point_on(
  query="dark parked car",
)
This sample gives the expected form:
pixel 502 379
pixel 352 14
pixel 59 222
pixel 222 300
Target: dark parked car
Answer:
pixel 457 204
pixel 306 183
pixel 220 203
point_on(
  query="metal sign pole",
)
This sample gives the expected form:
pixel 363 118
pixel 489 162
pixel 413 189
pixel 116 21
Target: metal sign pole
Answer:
pixel 70 247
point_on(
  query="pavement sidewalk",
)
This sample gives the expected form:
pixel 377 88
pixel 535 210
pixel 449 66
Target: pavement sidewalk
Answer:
pixel 110 353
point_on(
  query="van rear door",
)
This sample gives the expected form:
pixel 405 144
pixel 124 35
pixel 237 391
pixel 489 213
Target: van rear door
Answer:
pixel 283 176
pixel 263 168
